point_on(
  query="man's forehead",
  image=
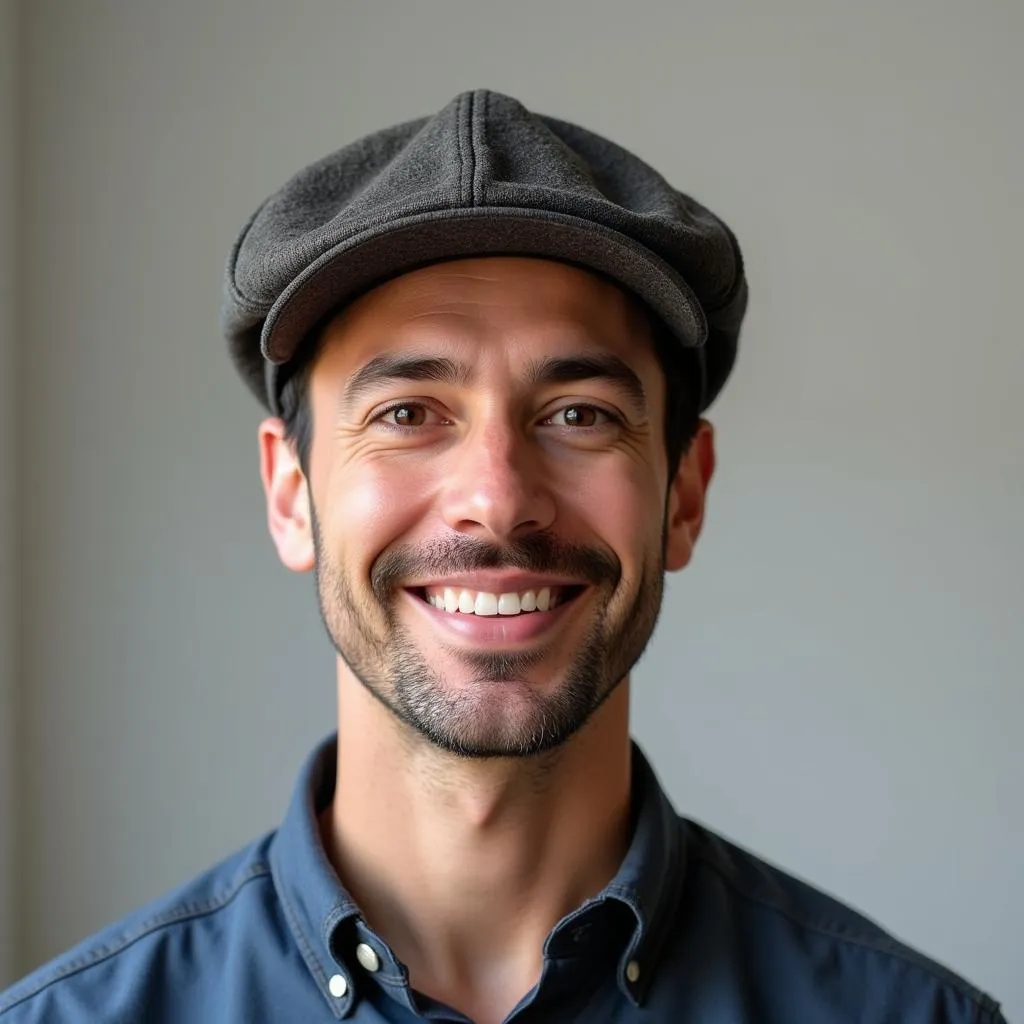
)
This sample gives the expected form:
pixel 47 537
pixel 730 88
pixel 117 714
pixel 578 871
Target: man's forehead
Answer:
pixel 535 306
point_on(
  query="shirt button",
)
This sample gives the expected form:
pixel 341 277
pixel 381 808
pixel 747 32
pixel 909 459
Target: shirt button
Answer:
pixel 367 957
pixel 338 985
pixel 632 971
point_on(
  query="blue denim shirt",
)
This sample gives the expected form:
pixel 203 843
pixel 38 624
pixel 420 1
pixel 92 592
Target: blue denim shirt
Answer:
pixel 692 930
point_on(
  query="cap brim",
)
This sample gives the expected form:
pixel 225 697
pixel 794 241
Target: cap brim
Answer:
pixel 363 261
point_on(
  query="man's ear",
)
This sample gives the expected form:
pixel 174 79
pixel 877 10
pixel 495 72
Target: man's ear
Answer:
pixel 288 502
pixel 686 498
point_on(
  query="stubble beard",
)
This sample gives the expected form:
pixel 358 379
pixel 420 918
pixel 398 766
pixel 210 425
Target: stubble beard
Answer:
pixel 496 711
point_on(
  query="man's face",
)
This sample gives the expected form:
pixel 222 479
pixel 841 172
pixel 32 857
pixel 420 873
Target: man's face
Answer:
pixel 487 488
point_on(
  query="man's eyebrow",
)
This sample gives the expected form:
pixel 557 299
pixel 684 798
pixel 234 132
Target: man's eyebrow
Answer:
pixel 385 368
pixel 566 369
pixel 388 367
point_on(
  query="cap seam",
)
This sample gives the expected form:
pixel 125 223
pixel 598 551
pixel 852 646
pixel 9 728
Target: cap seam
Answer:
pixel 471 175
pixel 478 142
pixel 465 149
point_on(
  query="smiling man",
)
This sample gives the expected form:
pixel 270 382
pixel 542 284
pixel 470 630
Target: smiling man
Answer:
pixel 486 340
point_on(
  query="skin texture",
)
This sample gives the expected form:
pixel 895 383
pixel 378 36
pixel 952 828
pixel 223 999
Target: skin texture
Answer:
pixel 483 776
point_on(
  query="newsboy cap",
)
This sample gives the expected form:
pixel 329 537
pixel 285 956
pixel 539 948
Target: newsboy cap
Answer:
pixel 484 176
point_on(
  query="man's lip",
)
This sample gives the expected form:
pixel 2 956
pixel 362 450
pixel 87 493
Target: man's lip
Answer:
pixel 496 582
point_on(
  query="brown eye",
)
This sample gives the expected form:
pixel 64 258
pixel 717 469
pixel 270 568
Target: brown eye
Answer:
pixel 408 415
pixel 579 416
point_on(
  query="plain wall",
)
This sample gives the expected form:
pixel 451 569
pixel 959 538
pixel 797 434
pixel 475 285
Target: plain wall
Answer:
pixel 8 458
pixel 836 682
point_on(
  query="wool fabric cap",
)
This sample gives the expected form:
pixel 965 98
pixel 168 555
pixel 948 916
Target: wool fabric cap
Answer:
pixel 484 176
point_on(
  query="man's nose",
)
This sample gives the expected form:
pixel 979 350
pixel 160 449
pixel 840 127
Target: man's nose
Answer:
pixel 494 488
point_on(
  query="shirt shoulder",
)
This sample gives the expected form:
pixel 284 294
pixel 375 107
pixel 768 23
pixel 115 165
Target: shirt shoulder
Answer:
pixel 823 947
pixel 114 976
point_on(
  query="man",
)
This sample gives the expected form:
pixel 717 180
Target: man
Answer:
pixel 486 340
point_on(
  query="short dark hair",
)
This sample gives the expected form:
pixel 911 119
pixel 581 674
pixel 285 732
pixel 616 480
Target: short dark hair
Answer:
pixel 682 415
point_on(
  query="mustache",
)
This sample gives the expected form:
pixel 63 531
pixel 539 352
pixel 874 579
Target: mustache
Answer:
pixel 538 553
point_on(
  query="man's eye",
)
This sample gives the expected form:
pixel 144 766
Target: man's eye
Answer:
pixel 580 416
pixel 408 414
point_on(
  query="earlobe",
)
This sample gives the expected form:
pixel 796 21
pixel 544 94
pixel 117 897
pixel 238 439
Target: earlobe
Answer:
pixel 287 493
pixel 687 497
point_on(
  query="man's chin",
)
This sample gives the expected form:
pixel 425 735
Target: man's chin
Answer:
pixel 510 740
pixel 502 675
pixel 503 713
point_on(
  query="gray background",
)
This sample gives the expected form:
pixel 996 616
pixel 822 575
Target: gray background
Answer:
pixel 837 680
pixel 8 457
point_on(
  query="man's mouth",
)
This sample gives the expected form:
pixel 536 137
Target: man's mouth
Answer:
pixel 463 601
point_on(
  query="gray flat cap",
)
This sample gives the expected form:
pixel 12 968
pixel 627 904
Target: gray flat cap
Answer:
pixel 485 176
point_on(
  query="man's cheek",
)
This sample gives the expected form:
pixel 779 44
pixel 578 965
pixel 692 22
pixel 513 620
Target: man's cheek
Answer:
pixel 375 504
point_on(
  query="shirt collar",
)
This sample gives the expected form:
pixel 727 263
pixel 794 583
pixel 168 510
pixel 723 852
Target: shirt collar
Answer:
pixel 649 881
pixel 314 900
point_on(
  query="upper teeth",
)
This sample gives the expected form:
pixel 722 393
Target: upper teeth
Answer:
pixel 479 602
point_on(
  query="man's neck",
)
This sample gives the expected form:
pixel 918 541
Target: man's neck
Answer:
pixel 465 865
